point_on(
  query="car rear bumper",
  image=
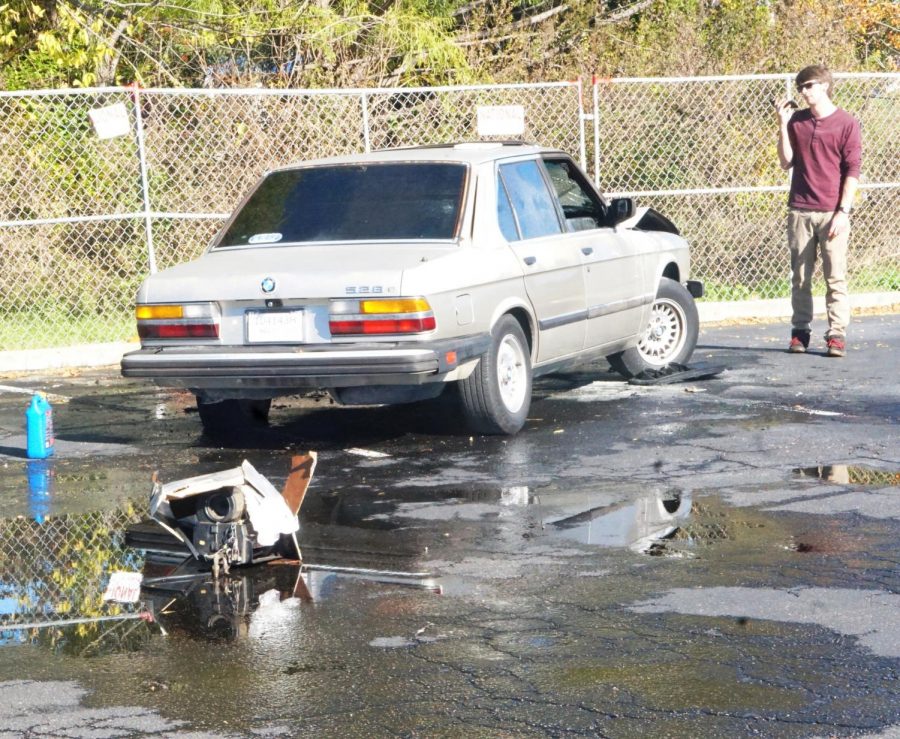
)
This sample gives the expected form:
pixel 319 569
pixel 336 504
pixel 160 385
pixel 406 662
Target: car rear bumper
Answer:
pixel 280 367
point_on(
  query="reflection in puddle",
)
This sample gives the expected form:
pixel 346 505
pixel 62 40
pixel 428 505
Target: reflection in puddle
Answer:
pixel 223 608
pixel 619 518
pixel 40 474
pixel 244 602
pixel 70 616
pixel 53 575
pixel 189 599
pixel 844 474
pixel 638 524
pixel 517 495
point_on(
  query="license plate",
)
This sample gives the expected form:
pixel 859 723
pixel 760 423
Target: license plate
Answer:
pixel 275 327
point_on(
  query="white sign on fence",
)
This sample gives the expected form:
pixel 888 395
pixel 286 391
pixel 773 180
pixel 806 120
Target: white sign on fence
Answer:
pixel 501 120
pixel 111 121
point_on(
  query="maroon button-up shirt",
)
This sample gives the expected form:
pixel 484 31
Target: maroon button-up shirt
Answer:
pixel 826 151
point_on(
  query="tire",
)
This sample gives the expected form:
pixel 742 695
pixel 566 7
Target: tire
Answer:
pixel 670 336
pixel 497 395
pixel 233 416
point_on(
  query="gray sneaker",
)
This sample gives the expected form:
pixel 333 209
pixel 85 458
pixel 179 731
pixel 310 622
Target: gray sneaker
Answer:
pixel 836 346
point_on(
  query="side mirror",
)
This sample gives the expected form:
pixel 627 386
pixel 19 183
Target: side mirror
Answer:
pixel 620 209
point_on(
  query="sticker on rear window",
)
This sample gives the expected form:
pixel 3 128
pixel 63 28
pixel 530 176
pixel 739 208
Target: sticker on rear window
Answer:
pixel 264 238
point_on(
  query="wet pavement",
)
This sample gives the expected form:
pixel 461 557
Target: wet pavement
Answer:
pixel 713 558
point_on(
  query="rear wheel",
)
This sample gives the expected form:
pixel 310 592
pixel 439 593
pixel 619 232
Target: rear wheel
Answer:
pixel 234 415
pixel 670 336
pixel 497 395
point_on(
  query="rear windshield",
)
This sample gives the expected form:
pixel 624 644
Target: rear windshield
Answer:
pixel 352 203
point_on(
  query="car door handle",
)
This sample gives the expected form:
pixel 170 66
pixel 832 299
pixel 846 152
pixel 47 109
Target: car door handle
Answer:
pixel 587 250
pixel 530 260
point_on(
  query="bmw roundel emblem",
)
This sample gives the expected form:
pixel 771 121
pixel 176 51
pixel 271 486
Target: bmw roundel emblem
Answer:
pixel 267 285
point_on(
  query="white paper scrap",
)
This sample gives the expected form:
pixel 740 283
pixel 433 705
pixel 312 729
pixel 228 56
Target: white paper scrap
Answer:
pixel 368 453
pixel 124 587
pixel 267 510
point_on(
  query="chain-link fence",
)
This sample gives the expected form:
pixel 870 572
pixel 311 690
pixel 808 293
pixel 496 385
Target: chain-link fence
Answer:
pixel 703 151
pixel 83 220
pixel 53 574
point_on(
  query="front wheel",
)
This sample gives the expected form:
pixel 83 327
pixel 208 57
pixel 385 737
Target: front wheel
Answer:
pixel 497 395
pixel 670 335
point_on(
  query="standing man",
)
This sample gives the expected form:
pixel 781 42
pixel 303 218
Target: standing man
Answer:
pixel 823 145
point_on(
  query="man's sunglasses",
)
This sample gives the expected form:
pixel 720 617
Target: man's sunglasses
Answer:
pixel 807 85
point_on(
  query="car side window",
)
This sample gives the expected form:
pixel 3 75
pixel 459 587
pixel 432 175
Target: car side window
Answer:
pixel 532 203
pixel 580 205
pixel 505 216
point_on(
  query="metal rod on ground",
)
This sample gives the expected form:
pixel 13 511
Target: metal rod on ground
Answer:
pixel 71 621
pixel 363 571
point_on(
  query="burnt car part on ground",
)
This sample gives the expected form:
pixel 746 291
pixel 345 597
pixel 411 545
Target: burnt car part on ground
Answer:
pixel 225 518
pixel 389 276
pixel 676 372
pixel 231 517
pixel 235 517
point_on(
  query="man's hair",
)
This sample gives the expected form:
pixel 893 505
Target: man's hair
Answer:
pixel 815 73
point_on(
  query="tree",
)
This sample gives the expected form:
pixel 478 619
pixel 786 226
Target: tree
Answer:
pixel 224 42
pixel 315 43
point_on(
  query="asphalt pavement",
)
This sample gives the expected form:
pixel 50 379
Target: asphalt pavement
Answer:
pixel 714 558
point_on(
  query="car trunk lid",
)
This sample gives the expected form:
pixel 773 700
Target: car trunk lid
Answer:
pixel 290 273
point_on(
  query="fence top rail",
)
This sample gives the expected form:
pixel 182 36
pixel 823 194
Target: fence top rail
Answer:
pixel 738 78
pixel 361 91
pixel 732 190
pixel 281 92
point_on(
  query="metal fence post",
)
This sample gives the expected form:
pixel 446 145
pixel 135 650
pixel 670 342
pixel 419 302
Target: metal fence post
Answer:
pixel 364 99
pixel 145 183
pixel 581 132
pixel 789 173
pixel 596 100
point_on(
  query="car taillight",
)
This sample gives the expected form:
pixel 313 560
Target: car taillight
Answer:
pixel 380 316
pixel 187 321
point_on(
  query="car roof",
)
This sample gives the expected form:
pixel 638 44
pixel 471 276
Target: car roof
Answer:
pixel 470 152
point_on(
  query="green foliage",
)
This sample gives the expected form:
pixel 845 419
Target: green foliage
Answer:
pixel 224 42
pixel 56 325
pixel 722 291
pixel 63 42
pixel 419 42
pixel 860 280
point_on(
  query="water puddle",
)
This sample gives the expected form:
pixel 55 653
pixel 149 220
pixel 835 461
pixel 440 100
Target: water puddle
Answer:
pixel 40 488
pixel 55 571
pixel 621 517
pixel 57 576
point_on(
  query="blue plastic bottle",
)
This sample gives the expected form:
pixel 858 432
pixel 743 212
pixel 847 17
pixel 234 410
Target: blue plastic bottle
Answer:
pixel 39 428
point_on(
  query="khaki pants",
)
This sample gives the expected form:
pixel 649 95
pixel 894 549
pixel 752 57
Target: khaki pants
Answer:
pixel 807 235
